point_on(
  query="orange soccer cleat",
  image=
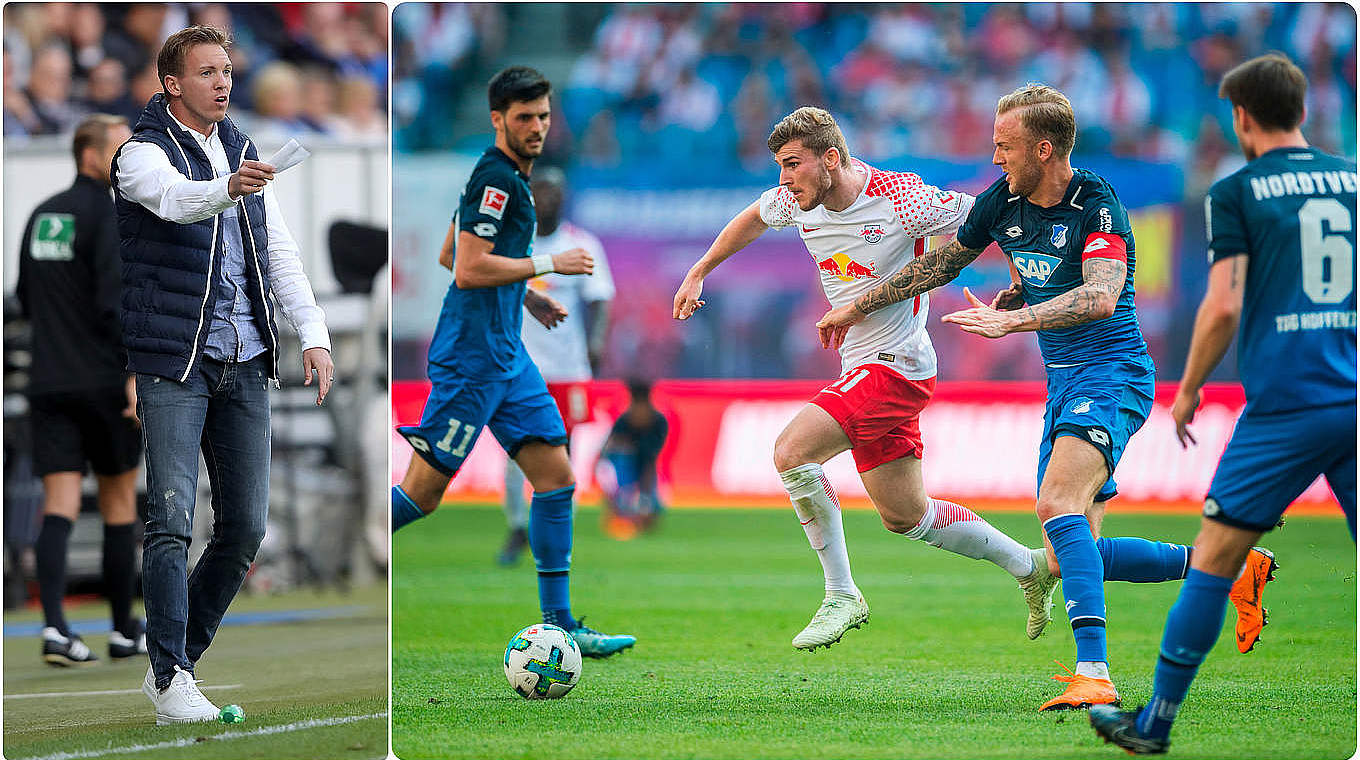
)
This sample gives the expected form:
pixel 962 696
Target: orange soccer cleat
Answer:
pixel 1246 596
pixel 1082 692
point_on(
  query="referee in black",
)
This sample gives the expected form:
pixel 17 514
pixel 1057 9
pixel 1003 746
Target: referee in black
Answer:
pixel 82 403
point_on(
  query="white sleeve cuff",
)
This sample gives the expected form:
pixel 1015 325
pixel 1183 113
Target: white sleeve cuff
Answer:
pixel 314 335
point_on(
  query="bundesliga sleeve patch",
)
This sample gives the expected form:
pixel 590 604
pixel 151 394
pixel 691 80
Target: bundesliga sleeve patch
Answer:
pixel 1104 245
pixel 493 202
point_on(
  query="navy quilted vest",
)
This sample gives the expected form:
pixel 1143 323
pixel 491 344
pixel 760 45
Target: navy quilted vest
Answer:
pixel 168 268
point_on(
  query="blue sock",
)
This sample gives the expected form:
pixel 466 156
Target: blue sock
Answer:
pixel 1192 627
pixel 403 509
pixel 1139 560
pixel 550 542
pixel 1083 581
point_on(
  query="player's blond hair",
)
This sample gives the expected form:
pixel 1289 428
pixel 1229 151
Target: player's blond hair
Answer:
pixel 815 128
pixel 1047 115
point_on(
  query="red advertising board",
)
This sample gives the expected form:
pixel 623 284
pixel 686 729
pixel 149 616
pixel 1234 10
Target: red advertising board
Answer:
pixel 981 445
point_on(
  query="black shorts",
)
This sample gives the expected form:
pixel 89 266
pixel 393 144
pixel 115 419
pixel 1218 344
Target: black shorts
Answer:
pixel 72 428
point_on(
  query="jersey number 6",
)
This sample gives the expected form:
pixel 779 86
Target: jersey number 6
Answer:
pixel 1328 260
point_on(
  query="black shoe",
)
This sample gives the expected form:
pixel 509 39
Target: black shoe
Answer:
pixel 65 651
pixel 1121 728
pixel 122 647
pixel 514 546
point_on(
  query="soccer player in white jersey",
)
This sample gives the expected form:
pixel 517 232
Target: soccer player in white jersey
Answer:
pixel 860 223
pixel 569 354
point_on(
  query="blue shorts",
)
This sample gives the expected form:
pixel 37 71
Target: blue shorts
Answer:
pixel 518 411
pixel 1102 403
pixel 1272 458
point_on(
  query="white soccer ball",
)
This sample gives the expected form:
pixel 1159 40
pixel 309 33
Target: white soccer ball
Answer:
pixel 542 662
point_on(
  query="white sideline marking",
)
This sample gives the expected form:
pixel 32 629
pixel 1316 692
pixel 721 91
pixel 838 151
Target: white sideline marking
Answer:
pixel 107 693
pixel 191 741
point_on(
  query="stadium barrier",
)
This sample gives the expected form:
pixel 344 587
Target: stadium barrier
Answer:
pixel 981 445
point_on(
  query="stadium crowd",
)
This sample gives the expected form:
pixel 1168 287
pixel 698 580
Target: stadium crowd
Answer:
pixel 300 68
pixel 659 81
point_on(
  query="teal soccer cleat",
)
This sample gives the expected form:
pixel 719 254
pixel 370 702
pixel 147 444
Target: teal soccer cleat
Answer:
pixel 596 644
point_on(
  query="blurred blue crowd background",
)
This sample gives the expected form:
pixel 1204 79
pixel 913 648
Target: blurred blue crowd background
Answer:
pixel 301 69
pixel 662 112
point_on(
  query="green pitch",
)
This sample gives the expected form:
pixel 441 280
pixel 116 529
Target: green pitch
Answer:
pixel 942 671
pixel 314 689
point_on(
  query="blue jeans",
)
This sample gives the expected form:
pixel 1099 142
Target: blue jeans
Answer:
pixel 223 410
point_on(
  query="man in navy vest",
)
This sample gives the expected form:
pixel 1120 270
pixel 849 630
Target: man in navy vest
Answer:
pixel 203 244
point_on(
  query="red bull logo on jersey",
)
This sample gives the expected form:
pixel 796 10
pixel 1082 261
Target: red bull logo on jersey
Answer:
pixel 846 269
pixel 872 233
pixel 1036 268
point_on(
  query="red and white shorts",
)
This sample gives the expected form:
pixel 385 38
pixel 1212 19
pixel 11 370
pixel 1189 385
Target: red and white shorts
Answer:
pixel 573 401
pixel 879 410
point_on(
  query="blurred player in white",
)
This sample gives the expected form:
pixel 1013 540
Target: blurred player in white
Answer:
pixel 860 223
pixel 569 354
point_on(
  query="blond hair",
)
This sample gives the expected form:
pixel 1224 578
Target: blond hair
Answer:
pixel 815 128
pixel 1047 115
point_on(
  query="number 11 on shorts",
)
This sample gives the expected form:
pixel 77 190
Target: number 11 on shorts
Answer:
pixel 447 440
pixel 848 380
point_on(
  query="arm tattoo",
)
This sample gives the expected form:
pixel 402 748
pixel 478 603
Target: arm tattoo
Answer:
pixel 1093 299
pixel 924 273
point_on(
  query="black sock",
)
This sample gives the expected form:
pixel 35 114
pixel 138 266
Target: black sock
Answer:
pixel 50 552
pixel 120 577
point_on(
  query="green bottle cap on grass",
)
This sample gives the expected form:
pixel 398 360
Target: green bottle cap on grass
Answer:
pixel 232 714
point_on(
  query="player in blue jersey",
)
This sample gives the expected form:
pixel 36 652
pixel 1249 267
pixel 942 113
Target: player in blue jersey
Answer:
pixel 1282 252
pixel 480 373
pixel 1071 251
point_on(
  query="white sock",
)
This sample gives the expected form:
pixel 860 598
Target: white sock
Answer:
pixel 958 529
pixel 516 506
pixel 1094 670
pixel 820 513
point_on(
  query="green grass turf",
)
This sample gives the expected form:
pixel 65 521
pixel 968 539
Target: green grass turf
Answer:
pixel 290 672
pixel 943 671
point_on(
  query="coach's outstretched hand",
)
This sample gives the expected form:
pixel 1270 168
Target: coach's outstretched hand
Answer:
pixel 574 261
pixel 834 324
pixel 687 297
pixel 250 178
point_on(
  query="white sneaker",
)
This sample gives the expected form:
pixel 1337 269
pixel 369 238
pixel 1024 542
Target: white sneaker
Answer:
pixel 1038 587
pixel 181 702
pixel 838 614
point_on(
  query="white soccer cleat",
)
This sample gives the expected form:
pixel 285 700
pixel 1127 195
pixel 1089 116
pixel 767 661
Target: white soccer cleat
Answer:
pixel 1038 587
pixel 181 702
pixel 838 614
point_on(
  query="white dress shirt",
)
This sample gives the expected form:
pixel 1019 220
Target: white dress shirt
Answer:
pixel 146 176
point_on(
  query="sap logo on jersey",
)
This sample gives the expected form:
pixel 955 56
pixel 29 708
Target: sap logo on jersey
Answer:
pixel 1036 268
pixel 872 233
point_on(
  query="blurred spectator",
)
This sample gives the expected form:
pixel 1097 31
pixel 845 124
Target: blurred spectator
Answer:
pixel 319 95
pixel 107 92
pixel 277 92
pixel 64 60
pixel 49 90
pixel 359 115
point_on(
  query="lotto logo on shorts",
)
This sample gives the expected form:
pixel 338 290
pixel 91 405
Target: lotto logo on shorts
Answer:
pixel 493 202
